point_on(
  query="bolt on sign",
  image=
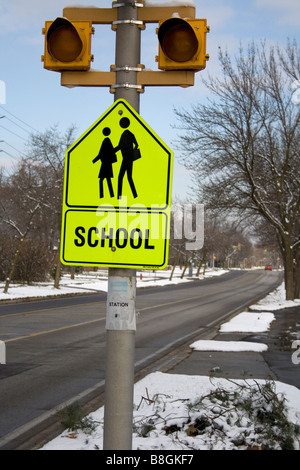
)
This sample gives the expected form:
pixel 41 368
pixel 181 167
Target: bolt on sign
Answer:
pixel 117 194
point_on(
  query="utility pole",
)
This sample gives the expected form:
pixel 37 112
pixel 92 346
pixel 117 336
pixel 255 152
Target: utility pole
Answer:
pixel 120 344
pixel 68 51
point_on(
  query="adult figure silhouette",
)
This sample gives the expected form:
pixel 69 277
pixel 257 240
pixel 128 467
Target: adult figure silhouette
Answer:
pixel 127 145
pixel 107 156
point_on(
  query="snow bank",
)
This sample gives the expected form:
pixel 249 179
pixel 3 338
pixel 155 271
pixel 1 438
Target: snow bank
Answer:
pixel 275 301
pixel 165 400
pixel 249 322
pixel 229 346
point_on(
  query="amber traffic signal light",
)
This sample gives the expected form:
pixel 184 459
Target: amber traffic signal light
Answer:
pixel 182 44
pixel 67 45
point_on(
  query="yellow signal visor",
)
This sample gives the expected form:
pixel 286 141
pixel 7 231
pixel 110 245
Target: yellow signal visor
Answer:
pixel 182 44
pixel 67 45
pixel 178 40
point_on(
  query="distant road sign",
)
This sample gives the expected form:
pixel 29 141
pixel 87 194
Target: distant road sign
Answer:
pixel 117 194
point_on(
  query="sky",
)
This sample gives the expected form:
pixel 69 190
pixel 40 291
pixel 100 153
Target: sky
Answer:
pixel 32 99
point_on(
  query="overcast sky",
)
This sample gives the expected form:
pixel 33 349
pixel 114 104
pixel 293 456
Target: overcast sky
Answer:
pixel 34 99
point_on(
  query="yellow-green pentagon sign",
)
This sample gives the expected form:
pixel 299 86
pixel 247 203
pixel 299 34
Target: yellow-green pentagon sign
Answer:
pixel 117 194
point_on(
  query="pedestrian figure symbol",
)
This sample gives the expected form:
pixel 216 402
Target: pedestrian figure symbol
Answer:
pixel 107 156
pixel 128 146
pixel 130 152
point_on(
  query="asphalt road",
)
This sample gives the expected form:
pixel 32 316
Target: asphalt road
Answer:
pixel 55 349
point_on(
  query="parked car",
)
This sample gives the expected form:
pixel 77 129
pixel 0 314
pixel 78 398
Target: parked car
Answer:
pixel 268 267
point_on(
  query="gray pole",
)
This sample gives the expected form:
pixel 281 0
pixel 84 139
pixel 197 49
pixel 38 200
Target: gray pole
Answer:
pixel 120 324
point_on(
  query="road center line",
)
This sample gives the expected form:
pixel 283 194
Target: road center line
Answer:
pixel 32 312
pixel 53 331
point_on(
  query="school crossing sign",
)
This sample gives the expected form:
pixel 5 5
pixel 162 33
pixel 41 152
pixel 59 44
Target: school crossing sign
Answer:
pixel 117 194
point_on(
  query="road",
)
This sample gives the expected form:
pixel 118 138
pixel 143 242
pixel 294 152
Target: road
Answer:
pixel 55 349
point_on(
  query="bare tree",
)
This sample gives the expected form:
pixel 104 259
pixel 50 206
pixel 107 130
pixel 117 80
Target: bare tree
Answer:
pixel 18 207
pixel 47 151
pixel 243 147
pixel 31 197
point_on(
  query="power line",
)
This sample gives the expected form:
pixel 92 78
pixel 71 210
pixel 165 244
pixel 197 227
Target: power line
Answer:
pixel 9 154
pixel 25 130
pixel 16 117
pixel 13 132
pixel 19 151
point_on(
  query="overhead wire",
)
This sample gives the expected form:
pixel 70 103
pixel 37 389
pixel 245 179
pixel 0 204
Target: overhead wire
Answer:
pixel 16 117
pixel 9 154
pixel 8 130
pixel 25 130
pixel 13 147
pixel 5 112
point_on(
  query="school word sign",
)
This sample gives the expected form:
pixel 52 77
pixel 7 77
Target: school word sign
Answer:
pixel 117 194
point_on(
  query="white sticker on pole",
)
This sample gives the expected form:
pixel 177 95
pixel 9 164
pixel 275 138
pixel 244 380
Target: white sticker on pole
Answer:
pixel 121 303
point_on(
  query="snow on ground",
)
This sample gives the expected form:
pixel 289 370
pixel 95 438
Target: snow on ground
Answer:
pixel 180 412
pixel 245 322
pixel 275 301
pixel 97 282
pixel 171 410
pixel 234 346
pixel 251 322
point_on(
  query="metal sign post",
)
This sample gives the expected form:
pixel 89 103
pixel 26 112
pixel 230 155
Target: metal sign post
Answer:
pixel 81 216
pixel 120 337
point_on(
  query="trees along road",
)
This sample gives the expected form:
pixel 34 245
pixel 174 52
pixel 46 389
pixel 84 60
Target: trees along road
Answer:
pixel 55 349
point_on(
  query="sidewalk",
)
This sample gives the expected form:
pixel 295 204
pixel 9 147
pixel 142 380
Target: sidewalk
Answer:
pixel 275 363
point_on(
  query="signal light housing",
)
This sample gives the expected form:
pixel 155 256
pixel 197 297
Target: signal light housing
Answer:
pixel 182 44
pixel 67 45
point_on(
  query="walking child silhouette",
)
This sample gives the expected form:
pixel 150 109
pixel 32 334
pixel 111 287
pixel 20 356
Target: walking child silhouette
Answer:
pixel 107 156
pixel 127 146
